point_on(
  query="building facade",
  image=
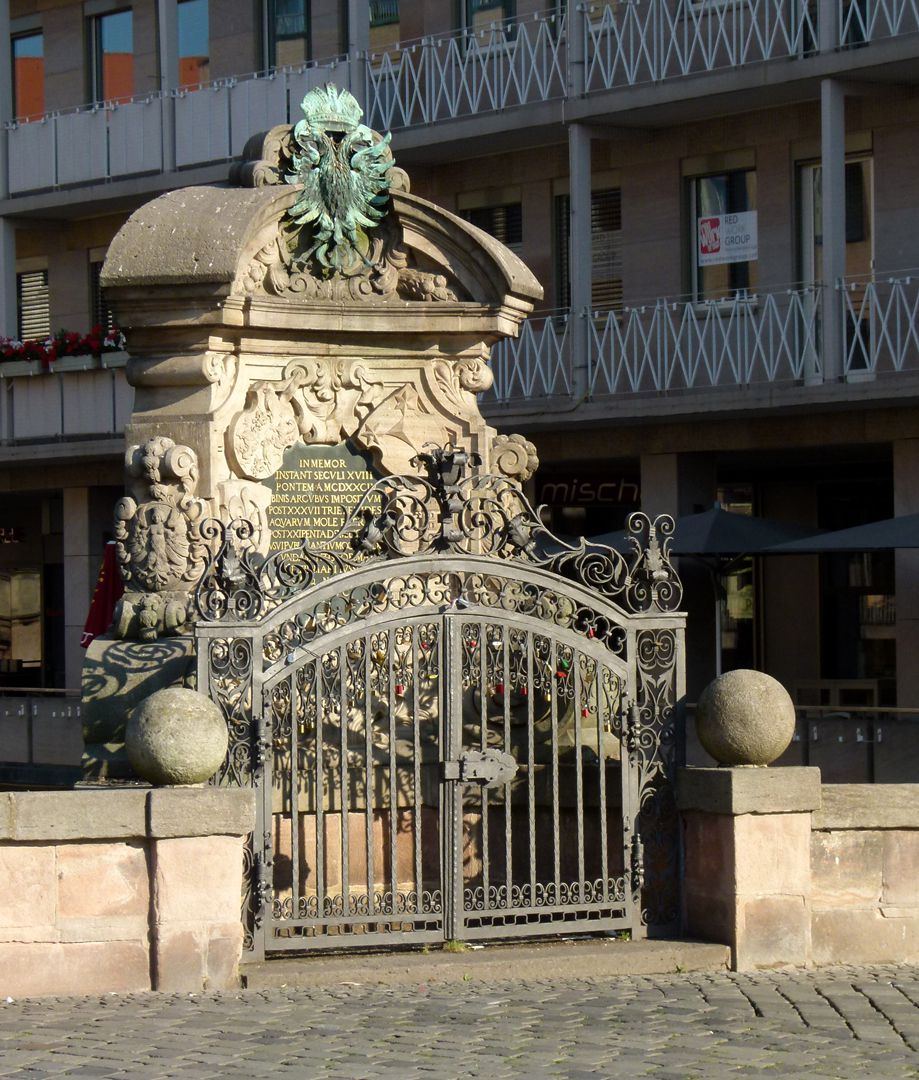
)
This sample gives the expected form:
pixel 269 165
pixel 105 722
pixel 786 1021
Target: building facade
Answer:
pixel 718 196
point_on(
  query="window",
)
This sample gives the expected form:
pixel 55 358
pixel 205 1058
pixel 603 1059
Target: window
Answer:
pixel 384 25
pixel 28 76
pixel 606 243
pixel 480 14
pixel 33 305
pixel 101 312
pixel 504 223
pixel 287 32
pixel 112 43
pixel 194 44
pixel 723 227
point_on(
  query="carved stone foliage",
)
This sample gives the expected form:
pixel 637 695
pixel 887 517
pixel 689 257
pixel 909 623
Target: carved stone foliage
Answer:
pixel 159 546
pixel 339 240
pixel 514 456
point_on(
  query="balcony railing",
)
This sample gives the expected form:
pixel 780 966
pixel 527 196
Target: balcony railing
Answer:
pixel 881 325
pixel 513 62
pixel 441 77
pixel 665 346
pixel 83 397
pixel 861 21
pixel 106 142
pixel 641 41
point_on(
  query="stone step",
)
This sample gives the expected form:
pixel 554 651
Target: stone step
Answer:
pixel 491 963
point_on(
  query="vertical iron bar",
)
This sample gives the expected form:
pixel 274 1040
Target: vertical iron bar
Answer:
pixel 294 780
pixel 579 766
pixel 601 758
pixel 553 697
pixel 393 793
pixel 416 772
pixel 483 742
pixel 508 824
pixel 369 771
pixel 451 690
pixel 343 779
pixel 531 768
pixel 320 791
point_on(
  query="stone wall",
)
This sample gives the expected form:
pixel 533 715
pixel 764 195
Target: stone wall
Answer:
pixel 787 871
pixel 126 890
pixel 864 857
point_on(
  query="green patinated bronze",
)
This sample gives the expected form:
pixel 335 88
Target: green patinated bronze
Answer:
pixel 345 173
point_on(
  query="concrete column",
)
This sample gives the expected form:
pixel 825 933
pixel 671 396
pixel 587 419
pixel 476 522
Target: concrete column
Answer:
pixel 906 501
pixel 827 25
pixel 833 192
pixel 358 47
pixel 747 844
pixel 6 97
pixel 580 254
pixel 577 61
pixel 681 484
pixel 167 23
pixel 8 316
pixel 79 579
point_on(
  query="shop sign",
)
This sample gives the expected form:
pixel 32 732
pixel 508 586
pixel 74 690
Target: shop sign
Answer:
pixel 727 238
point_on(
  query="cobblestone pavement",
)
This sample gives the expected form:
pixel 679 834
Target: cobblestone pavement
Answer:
pixel 840 1023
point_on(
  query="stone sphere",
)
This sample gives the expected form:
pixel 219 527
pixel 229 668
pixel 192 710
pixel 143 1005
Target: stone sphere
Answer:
pixel 745 718
pixel 176 736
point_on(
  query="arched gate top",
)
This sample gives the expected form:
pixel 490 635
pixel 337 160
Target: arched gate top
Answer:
pixel 451 520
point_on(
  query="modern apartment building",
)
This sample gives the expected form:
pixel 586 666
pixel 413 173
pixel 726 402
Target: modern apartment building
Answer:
pixel 720 198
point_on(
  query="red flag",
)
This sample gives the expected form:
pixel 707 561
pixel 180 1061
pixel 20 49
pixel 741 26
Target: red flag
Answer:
pixel 109 588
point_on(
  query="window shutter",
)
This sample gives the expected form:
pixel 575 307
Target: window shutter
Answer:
pixel 606 237
pixel 504 223
pixel 102 314
pixel 33 303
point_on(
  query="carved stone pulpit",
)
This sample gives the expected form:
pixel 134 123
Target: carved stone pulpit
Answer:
pixel 311 302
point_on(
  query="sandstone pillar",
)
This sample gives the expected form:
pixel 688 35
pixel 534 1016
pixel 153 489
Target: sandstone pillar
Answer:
pixel 747 842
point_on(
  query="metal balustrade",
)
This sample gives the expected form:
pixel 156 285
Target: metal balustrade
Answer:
pixel 83 397
pixel 535 364
pixel 211 124
pixel 513 62
pixel 666 346
pixel 880 325
pixel 640 41
pixel 863 21
pixel 462 73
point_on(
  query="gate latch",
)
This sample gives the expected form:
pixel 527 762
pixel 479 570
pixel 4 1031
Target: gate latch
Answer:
pixel 488 767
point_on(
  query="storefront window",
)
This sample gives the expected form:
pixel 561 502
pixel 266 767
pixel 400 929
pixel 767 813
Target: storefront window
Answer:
pixel 28 76
pixel 194 43
pixel 737 593
pixel 113 56
pixel 724 234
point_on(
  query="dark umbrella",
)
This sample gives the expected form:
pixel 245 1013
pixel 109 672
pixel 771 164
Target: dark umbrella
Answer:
pixel 897 532
pixel 726 536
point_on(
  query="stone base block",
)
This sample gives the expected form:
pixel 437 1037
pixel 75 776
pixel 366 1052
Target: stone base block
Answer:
pixel 197 957
pixel 84 967
pixel 864 936
pixel 771 931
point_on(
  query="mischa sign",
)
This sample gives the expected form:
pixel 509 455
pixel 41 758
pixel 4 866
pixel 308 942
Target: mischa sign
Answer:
pixel 727 238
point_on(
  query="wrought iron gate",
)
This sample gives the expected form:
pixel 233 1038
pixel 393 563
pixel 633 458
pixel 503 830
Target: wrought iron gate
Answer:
pixel 455 726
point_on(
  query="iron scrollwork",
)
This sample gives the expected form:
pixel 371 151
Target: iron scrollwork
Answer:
pixel 451 510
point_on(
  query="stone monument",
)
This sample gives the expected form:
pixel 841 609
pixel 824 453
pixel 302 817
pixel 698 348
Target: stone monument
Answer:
pixel 295 333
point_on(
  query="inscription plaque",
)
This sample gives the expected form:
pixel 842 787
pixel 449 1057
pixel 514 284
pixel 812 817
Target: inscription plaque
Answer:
pixel 314 492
